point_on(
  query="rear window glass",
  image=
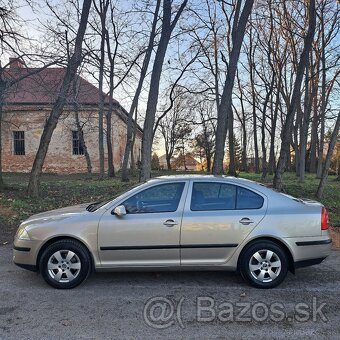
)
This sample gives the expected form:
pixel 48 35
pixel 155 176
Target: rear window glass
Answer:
pixel 247 199
pixel 213 196
pixel 219 196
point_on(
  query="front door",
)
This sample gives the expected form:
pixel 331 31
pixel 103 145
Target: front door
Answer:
pixel 149 233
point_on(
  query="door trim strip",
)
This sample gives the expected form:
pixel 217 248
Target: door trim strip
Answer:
pixel 170 246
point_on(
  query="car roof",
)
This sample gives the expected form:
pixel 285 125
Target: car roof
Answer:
pixel 228 179
pixel 209 178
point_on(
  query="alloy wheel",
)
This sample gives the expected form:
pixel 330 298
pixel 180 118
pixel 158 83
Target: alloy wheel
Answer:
pixel 64 266
pixel 265 265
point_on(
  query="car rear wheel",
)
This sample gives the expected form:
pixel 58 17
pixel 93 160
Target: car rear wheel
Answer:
pixel 65 264
pixel 264 264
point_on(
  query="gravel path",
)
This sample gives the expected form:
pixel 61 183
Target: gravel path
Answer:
pixel 172 305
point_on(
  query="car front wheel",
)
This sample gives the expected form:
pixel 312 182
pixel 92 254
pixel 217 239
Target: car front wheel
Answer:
pixel 65 264
pixel 264 264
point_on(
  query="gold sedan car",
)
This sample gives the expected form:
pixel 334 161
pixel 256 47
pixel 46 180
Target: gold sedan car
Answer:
pixel 178 223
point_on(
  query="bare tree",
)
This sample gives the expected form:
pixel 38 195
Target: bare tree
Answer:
pixel 167 29
pixel 251 61
pixel 173 127
pixel 101 10
pixel 225 107
pixel 19 47
pixel 71 70
pixel 287 129
pixel 134 104
pixel 328 158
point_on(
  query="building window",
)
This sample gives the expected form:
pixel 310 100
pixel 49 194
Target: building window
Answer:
pixel 19 142
pixel 77 146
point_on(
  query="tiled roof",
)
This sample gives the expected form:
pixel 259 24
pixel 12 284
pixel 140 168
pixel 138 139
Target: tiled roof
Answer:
pixel 42 87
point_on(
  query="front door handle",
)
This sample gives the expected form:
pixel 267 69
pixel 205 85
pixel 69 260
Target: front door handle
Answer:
pixel 246 221
pixel 170 223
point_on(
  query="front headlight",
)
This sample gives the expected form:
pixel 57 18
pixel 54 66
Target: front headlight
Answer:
pixel 22 234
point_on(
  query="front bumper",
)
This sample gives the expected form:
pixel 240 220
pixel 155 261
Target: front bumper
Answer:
pixel 25 253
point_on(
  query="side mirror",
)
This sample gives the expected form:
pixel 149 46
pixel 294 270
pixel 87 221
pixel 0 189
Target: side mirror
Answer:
pixel 119 211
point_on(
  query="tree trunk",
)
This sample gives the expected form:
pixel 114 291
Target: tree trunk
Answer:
pixel 297 127
pixel 3 88
pixel 130 125
pixel 168 161
pixel 208 158
pixel 253 95
pixel 167 28
pixel 314 137
pixel 135 127
pixel 1 179
pixel 242 119
pixel 287 129
pixel 82 143
pixel 256 147
pixel 239 26
pixel 263 125
pixel 310 93
pixel 102 11
pixel 272 162
pixel 328 158
pixel 73 64
pixel 79 128
pixel 110 166
pixel 323 100
pixel 263 146
pixel 232 168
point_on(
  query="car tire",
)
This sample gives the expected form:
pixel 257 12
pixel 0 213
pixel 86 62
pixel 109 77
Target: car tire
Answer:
pixel 65 264
pixel 264 264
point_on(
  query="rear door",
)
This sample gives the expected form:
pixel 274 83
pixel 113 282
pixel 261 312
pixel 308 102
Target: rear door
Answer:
pixel 148 235
pixel 217 217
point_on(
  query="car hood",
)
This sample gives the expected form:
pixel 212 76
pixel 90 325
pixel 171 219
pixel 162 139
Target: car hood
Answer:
pixel 57 214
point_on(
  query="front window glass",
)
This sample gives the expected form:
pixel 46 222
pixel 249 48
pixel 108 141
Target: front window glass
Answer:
pixel 159 198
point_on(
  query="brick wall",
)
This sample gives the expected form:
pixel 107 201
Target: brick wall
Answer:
pixel 60 158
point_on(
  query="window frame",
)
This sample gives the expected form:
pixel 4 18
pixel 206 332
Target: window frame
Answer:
pixel 78 147
pixel 235 205
pixel 19 137
pixel 151 187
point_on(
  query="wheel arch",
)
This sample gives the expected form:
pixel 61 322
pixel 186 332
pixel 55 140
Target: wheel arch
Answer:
pixel 274 240
pixel 60 238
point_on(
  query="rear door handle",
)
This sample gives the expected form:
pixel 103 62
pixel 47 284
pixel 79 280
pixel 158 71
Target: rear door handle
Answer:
pixel 170 223
pixel 246 221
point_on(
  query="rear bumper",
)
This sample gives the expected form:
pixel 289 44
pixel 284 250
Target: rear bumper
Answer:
pixel 307 263
pixel 306 250
pixel 313 243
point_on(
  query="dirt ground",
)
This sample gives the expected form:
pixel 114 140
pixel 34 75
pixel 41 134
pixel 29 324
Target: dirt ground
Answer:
pixel 171 305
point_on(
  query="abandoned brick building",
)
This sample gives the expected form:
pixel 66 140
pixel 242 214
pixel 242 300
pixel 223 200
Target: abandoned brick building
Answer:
pixel 28 104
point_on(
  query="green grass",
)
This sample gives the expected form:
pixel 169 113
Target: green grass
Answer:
pixel 58 191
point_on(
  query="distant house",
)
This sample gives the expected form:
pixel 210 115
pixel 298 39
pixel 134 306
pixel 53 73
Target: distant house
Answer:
pixel 163 164
pixel 187 162
pixel 27 106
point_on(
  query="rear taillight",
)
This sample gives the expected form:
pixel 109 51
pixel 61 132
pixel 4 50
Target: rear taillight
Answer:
pixel 324 219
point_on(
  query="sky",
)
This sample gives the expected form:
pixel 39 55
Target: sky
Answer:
pixel 39 15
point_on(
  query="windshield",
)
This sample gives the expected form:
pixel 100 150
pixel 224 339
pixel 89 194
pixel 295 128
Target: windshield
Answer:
pixel 96 205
